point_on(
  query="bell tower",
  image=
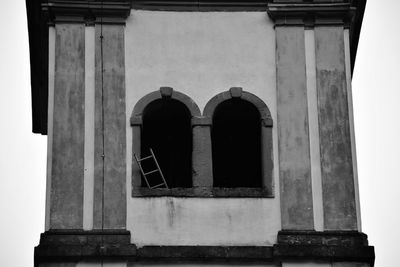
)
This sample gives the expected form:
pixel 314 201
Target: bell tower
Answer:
pixel 198 133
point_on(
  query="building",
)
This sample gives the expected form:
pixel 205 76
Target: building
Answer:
pixel 247 106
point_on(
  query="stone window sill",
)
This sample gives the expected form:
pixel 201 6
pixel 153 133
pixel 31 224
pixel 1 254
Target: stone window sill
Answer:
pixel 204 192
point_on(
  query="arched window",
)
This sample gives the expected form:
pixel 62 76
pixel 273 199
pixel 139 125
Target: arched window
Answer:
pixel 236 144
pixel 241 138
pixel 225 152
pixel 162 121
pixel 167 130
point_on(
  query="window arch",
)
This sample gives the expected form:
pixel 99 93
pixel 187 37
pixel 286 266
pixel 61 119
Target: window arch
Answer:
pixel 157 111
pixel 162 121
pixel 241 140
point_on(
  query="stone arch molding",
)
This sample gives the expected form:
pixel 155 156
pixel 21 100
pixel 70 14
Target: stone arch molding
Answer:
pixel 164 92
pixel 237 92
pixel 266 130
pixel 202 154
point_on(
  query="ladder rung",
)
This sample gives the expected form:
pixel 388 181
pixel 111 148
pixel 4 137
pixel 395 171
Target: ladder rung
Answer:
pixel 145 158
pixel 151 172
pixel 157 185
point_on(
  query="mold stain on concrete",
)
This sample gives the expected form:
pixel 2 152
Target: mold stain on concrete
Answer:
pixel 171 212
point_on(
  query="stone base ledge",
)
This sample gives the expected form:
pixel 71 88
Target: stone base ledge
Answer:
pixel 328 238
pixel 96 245
pixel 82 237
pixel 332 246
pixel 203 192
pixel 75 245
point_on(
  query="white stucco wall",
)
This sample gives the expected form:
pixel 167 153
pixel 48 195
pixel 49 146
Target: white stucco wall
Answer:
pixel 201 54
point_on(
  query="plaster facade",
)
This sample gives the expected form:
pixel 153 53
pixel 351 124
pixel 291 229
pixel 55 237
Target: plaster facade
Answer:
pixel 103 73
pixel 200 55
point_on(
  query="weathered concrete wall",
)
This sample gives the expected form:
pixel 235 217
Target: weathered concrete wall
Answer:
pixel 346 33
pixel 52 62
pixel 323 264
pixel 110 127
pixel 58 264
pixel 151 264
pixel 148 264
pixel 104 264
pixel 201 264
pixel 305 264
pixel 201 55
pixel 334 132
pixel 350 264
pixel 89 128
pixel 315 155
pixel 68 128
pixel 84 264
pixel 294 146
pixel 202 221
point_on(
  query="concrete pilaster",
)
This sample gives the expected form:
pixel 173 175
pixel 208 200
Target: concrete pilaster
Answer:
pixel 67 168
pixel 293 137
pixel 335 141
pixel 52 49
pixel 89 128
pixel 110 136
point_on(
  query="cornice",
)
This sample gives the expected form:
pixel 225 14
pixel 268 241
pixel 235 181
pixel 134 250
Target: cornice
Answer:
pixel 310 14
pixel 88 12
pixel 96 245
pixel 198 5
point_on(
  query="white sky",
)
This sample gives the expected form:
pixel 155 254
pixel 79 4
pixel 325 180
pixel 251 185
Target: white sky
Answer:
pixel 376 96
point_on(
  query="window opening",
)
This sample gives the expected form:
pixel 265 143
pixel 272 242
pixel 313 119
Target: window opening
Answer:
pixel 167 131
pixel 236 144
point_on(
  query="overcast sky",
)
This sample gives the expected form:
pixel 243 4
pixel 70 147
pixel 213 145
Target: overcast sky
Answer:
pixel 376 96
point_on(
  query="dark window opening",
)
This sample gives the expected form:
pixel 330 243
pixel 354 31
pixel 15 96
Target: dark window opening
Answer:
pixel 236 144
pixel 167 131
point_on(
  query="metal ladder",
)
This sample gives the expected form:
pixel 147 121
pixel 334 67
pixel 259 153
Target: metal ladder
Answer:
pixel 152 156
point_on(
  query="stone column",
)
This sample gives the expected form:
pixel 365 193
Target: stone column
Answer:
pixel 136 123
pixel 202 153
pixel 267 156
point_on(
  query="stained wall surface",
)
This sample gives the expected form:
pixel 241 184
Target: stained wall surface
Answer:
pixel 151 264
pixel 201 55
pixel 68 128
